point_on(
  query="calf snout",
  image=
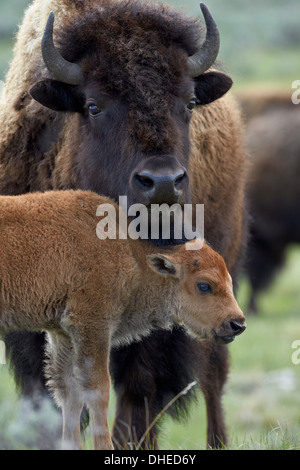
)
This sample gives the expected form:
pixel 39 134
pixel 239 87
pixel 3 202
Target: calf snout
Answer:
pixel 229 330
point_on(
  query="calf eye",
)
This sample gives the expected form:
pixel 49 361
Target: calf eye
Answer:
pixel 95 110
pixel 191 104
pixel 204 287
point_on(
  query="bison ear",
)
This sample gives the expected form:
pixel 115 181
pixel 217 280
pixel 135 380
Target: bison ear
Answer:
pixel 163 265
pixel 57 96
pixel 211 86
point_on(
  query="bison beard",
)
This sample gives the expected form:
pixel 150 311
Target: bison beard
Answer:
pixel 42 151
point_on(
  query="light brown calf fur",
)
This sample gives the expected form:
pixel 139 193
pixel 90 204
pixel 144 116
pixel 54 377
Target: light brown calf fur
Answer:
pixel 57 275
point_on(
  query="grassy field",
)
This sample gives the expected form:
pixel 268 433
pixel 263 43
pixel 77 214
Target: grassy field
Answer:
pixel 260 45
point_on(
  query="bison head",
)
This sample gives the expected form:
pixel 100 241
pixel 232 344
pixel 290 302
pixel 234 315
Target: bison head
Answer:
pixel 131 75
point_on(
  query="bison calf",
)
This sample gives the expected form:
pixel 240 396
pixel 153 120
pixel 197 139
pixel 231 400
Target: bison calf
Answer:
pixel 91 295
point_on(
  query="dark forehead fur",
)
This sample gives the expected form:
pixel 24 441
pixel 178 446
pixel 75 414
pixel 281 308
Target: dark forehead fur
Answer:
pixel 118 42
pixel 120 24
pixel 135 52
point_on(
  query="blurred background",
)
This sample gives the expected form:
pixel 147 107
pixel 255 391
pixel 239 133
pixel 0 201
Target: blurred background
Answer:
pixel 260 49
pixel 259 41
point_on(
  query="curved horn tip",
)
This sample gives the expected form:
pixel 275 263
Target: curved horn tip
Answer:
pixel 207 54
pixel 207 15
pixel 50 20
pixel 49 26
pixel 61 69
pixel 205 10
pixel 203 7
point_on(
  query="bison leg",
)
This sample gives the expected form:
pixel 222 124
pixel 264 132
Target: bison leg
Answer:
pixel 214 365
pixel 135 386
pixel 149 374
pixel 133 416
pixel 26 357
pixel 264 259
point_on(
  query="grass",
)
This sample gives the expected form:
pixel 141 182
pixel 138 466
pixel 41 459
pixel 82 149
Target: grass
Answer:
pixel 262 400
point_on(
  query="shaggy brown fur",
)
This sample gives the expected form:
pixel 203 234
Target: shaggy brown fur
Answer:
pixel 91 295
pixel 148 89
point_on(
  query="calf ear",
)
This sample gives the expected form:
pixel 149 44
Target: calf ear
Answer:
pixel 211 86
pixel 162 265
pixel 57 96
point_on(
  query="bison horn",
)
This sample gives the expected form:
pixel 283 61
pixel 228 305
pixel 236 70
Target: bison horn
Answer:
pixel 207 54
pixel 60 68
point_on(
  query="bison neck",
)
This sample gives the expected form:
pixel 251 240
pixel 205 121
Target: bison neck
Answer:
pixel 153 304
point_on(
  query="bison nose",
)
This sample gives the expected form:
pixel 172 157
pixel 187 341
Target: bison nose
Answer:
pixel 237 328
pixel 160 179
pixel 229 330
pixel 161 188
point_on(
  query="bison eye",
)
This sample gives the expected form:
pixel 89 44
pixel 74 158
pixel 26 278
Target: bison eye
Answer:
pixel 204 288
pixel 191 104
pixel 95 110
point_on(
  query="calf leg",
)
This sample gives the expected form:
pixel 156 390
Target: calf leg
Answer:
pixel 64 386
pixel 26 354
pixel 78 373
pixel 97 402
pixel 92 375
pixel 71 409
pixel 91 344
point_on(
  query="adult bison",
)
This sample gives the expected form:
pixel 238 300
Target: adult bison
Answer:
pixel 273 184
pixel 123 104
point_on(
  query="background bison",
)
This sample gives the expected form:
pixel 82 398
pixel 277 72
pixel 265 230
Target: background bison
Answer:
pixel 273 183
pixel 139 72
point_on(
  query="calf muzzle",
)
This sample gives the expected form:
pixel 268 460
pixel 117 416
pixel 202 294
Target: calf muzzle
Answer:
pixel 229 330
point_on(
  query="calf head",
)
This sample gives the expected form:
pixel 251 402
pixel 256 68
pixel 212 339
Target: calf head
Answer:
pixel 128 75
pixel 208 308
